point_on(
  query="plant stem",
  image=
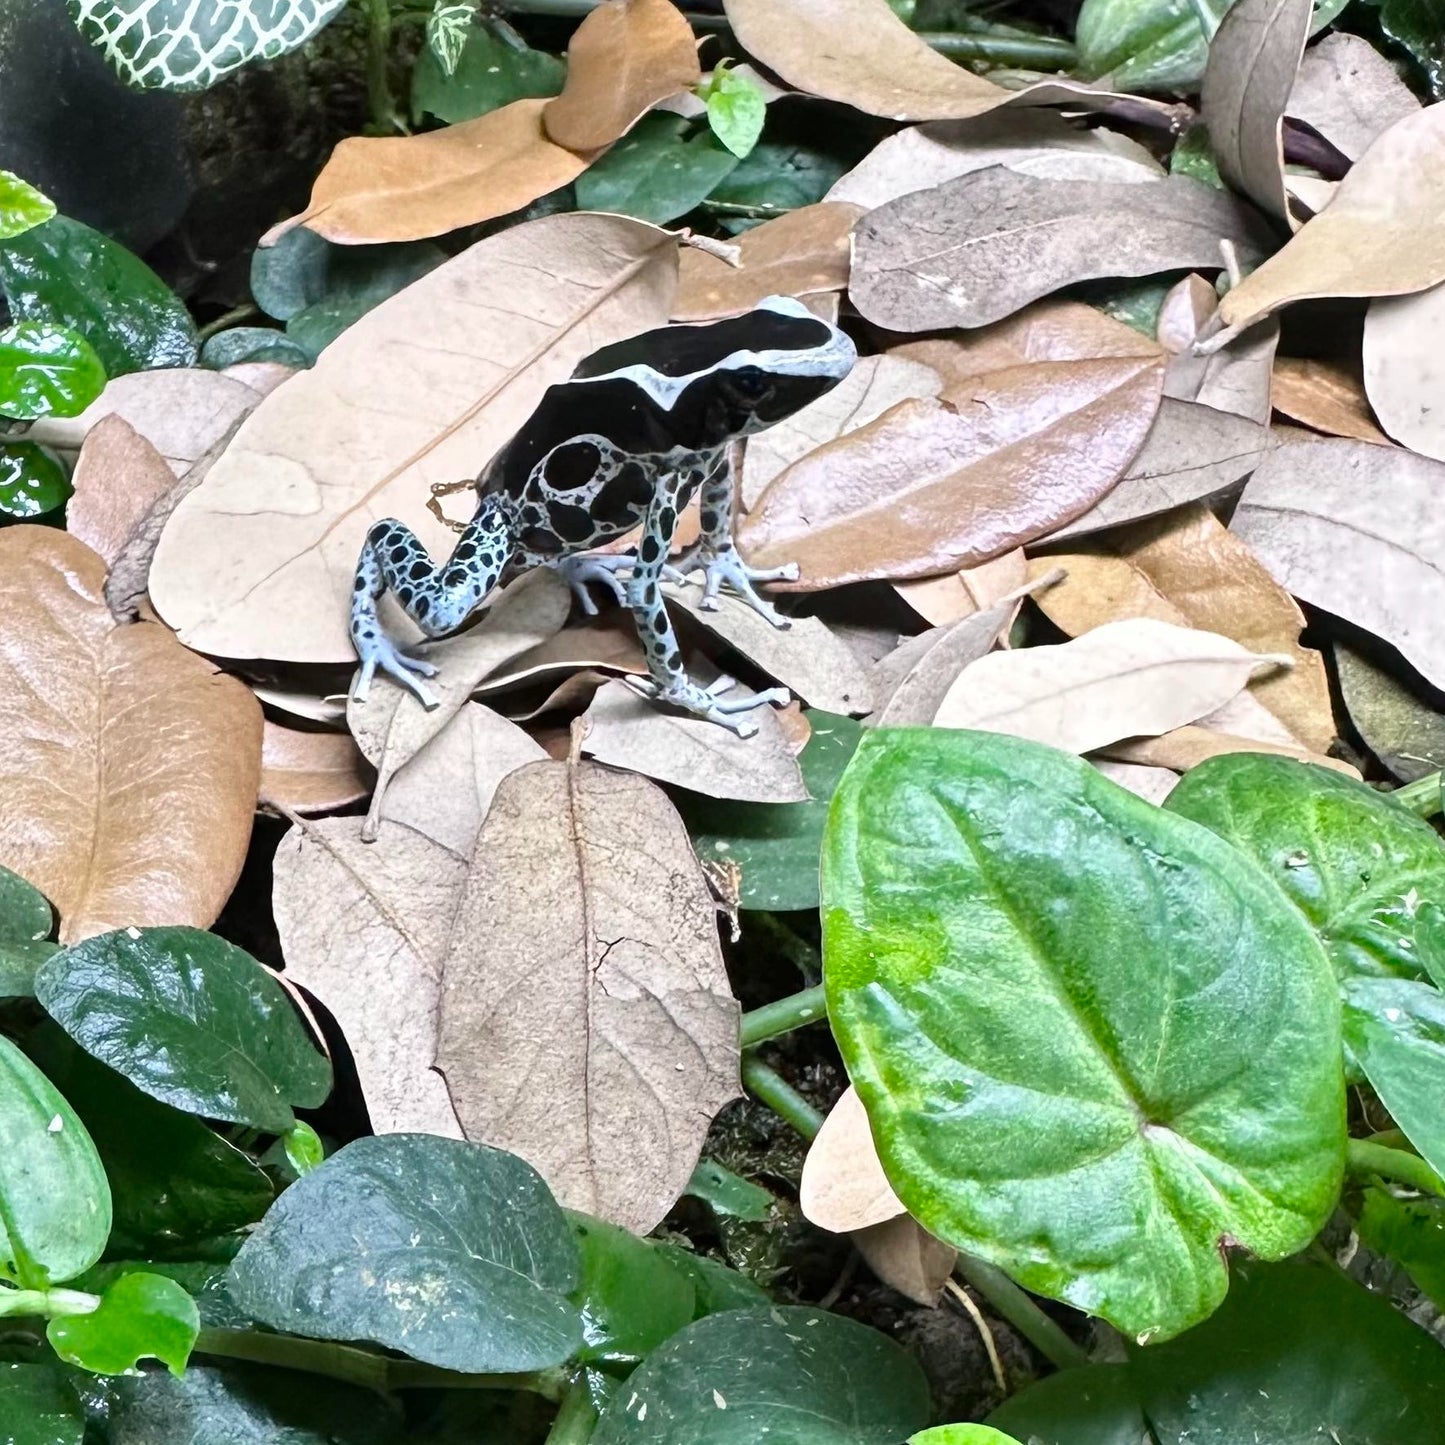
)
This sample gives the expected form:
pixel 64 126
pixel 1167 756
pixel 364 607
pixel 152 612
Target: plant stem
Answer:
pixel 769 1088
pixel 1039 52
pixel 1362 1157
pixel 576 1420
pixel 378 60
pixel 49 1303
pixel 1011 1303
pixel 796 949
pixel 783 1016
pixel 1422 796
pixel 233 317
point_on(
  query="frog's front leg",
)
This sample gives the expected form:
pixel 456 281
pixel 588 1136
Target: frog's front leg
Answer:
pixel 438 598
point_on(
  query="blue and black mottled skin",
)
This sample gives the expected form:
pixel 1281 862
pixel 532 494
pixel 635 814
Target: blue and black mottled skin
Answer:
pixel 628 440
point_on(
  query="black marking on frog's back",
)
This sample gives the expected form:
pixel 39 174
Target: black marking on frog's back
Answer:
pixel 676 351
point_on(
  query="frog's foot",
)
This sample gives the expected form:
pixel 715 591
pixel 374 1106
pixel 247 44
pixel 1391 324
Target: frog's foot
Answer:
pixel 584 567
pixel 709 703
pixel 726 568
pixel 379 653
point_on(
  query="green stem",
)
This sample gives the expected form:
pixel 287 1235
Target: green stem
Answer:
pixel 576 1420
pixel 787 941
pixel 1422 796
pixel 378 63
pixel 770 1088
pixel 49 1303
pixel 783 1016
pixel 1038 52
pixel 1012 1304
pixel 233 317
pixel 1363 1157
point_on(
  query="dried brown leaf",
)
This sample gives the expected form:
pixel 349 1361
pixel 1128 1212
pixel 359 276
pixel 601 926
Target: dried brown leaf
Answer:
pixel 311 772
pixel 1349 93
pixel 1404 729
pixel 906 1257
pixel 1236 378
pixel 843 1186
pixel 1327 397
pixel 263 377
pixel 911 683
pixel 118 478
pixel 1403 370
pixel 606 643
pixel 1186 307
pixel 1150 783
pixel 942 601
pixel 1187 747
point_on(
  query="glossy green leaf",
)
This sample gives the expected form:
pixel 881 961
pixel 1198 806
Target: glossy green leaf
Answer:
pixel 490 72
pixel 1354 863
pixel 1297 1354
pixel 19 963
pixel 38 1407
pixel 175 1183
pixel 777 844
pixel 1409 1231
pixel 1419 26
pixel 304 1149
pixel 190 44
pixel 962 1435
pixel 659 171
pixel 1430 941
pixel 451 1252
pixel 32 482
pixel 632 1295
pixel 717 1287
pixel 65 274
pixel 1092 1039
pixel 729 1194
pixel 1193 156
pixel 252 343
pixel 191 1020
pixel 54 1199
pixel 1094 1405
pixel 787 1374
pixel 303 269
pixel 25 912
pixel 46 370
pixel 736 110
pixel 21 206
pixel 1398 723
pixel 141 1317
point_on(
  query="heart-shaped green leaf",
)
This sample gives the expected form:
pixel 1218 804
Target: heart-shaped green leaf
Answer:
pixel 718 1287
pixel 38 1407
pixel 962 1435
pixel 1093 1040
pixel 489 73
pixel 1094 1405
pixel 190 1019
pixel 1409 1231
pixel 633 1296
pixel 141 1317
pixel 736 110
pixel 32 482
pixel 451 1252
pixel 21 206
pixel 46 370
pixel 657 172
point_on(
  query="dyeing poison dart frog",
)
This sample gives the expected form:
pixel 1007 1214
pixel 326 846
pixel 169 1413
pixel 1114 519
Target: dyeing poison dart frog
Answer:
pixel 627 440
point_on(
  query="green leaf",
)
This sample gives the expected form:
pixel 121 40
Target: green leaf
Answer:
pixel 736 110
pixel 21 206
pixel 451 1252
pixel 1409 1231
pixel 717 1287
pixel 38 1407
pixel 68 275
pixel 54 1200
pixel 657 172
pixel 18 965
pixel 303 269
pixel 1355 864
pixel 797 1375
pixel 1297 1354
pixel 447 28
pixel 962 1435
pixel 728 1194
pixel 490 72
pixel 252 343
pixel 1430 941
pixel 1095 1405
pixel 32 482
pixel 777 844
pixel 141 1317
pixel 304 1149
pixel 174 1182
pixel 190 44
pixel 1092 1039
pixel 1135 303
pixel 25 912
pixel 190 1019
pixel 1398 724
pixel 1194 157
pixel 780 175
pixel 1419 26
pixel 46 371
pixel 632 1295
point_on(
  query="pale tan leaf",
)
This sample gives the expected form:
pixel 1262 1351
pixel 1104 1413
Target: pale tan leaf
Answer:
pixel 1186 747
pixel 607 643
pixel 1403 369
pixel 1186 307
pixel 118 478
pixel 364 927
pixel 1150 783
pixel 586 1020
pixel 263 377
pixel 129 776
pixel 911 683
pixel 329 710
pixel 1349 92
pixel 625 57
pixel 933 486
pixel 258 560
pixel 843 1186
pixel 1098 588
pixel 311 772
pixel 629 731
pixel 942 601
pixel 906 1257
pixel 1327 397
pixel 1120 680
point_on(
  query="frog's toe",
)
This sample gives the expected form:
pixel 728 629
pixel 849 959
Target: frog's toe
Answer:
pixel 379 654
pixel 709 704
pixel 577 571
pixel 726 569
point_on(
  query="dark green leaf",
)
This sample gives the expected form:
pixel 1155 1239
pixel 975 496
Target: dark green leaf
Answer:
pixel 1135 303
pixel 1430 941
pixel 728 1194
pixel 718 1288
pixel 633 1296
pixel 1409 1231
pixel 21 206
pixel 38 1407
pixel 777 844
pixel 46 370
pixel 1419 25
pixel 1095 1405
pixel 736 110
pixel 1145 44
pixel 18 965
pixel 1401 727
pixel 141 1317
pixel 1194 157
pixel 252 343
pixel 1298 1355
pixel 1092 1039
pixel 451 1252
pixel 658 172
pixel 797 1375
pixel 190 1019
pixel 32 482
pixel 491 72
pixel 67 275
pixel 302 269
pixel 54 1201
pixel 25 913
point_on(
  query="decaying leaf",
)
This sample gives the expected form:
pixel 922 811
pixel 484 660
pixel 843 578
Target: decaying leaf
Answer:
pixel 629 731
pixel 1405 730
pixel 258 560
pixel 364 927
pixel 311 772
pixel 800 254
pixel 942 601
pixel 1187 747
pixel 606 643
pixel 1187 305
pixel 1356 530
pixel 625 57
pixel 131 766
pixel 1234 378
pixel 933 486
pixel 1403 369
pixel 911 683
pixel 1151 783
pixel 1121 680
pixel 586 1019
pixel 843 1186
pixel 979 248
pixel 906 1257
pixel 118 478
pixel 1349 93
pixel 1324 396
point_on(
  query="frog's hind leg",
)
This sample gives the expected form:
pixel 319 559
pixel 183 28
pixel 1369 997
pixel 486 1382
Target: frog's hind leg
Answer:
pixel 438 598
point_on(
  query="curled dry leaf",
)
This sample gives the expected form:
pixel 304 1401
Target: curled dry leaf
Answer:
pixel 981 247
pixel 131 765
pixel 843 1186
pixel 364 927
pixel 906 1257
pixel 1349 93
pixel 800 254
pixel 586 1019
pixel 629 731
pixel 1187 305
pixel 119 476
pixel 311 772
pixel 1402 727
pixel 1187 747
pixel 1356 530
pixel 258 560
pixel 1253 59
pixel 624 58
pixel 606 643
pixel 912 681
pixel 1403 369
pixel 933 486
pixel 1233 378
pixel 1121 680
pixel 942 601
pixel 1327 397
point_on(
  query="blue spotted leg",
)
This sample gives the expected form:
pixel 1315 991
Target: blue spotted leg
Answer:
pixel 438 598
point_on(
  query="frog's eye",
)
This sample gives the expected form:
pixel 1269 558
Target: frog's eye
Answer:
pixel 751 383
